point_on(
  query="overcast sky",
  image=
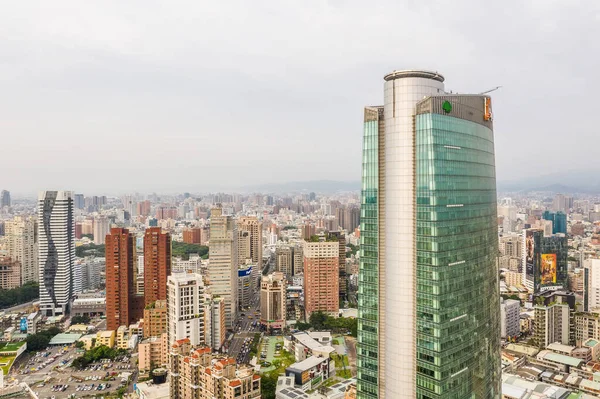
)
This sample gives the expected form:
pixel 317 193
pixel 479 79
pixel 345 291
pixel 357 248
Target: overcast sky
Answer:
pixel 113 96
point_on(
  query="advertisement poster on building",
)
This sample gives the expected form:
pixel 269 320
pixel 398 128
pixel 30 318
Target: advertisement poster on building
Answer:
pixel 548 268
pixel 529 254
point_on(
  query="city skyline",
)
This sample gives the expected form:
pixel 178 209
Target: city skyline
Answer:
pixel 124 91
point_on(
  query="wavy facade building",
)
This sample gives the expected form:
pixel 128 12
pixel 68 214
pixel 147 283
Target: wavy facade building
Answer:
pixel 56 251
pixel 428 286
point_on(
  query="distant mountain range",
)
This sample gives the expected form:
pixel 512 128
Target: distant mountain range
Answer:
pixel 583 182
pixel 317 186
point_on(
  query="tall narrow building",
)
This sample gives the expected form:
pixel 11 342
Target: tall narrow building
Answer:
pixel 120 278
pixel 223 262
pixel 56 251
pixel 185 308
pixel 254 227
pixel 157 264
pixel 428 287
pixel 321 276
pixel 22 239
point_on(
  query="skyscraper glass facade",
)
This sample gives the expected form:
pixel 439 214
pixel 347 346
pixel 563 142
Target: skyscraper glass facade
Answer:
pixel 458 354
pixel 428 297
pixel 368 296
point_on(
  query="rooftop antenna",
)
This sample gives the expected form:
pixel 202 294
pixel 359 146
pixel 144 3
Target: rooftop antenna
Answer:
pixel 491 90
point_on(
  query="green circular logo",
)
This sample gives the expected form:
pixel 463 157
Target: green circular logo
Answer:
pixel 447 107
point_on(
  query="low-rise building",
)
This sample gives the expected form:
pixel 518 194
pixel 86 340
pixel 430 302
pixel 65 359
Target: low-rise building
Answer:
pixel 106 338
pixel 199 374
pixel 303 345
pixel 311 372
pixel 152 353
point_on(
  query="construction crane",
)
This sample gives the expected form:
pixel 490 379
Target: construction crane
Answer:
pixel 491 90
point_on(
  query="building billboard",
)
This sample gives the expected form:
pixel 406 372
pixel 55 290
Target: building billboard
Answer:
pixel 548 268
pixel 23 324
pixel 530 254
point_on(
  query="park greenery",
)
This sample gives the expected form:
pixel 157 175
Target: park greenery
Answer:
pixel 39 341
pixel 183 250
pixel 23 294
pixel 95 354
pixel 320 321
pixel 90 249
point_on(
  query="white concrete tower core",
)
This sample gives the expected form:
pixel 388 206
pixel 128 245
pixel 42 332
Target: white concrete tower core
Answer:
pixel 402 91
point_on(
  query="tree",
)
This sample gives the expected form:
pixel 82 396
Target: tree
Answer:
pixel 80 320
pixel 317 320
pixel 183 250
pixel 37 342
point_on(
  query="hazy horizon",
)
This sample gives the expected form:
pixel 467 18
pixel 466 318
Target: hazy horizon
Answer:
pixel 153 96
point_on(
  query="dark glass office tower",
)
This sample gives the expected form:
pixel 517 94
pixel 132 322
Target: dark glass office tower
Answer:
pixel 428 284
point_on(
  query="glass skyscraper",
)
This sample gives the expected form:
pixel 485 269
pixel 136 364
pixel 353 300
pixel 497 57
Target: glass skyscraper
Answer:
pixel 428 284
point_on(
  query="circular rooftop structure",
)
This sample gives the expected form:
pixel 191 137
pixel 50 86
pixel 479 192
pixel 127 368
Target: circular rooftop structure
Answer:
pixel 413 73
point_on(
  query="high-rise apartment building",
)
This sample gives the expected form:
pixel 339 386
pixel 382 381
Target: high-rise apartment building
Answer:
pixel 157 264
pixel 591 285
pixel 185 308
pixel 587 325
pixel 545 261
pixel 428 288
pixel 273 301
pixel 56 251
pixel 5 198
pixel 252 225
pixel 122 306
pixel 223 262
pixel 192 235
pixel 155 319
pixel 10 273
pixel 243 247
pixel 509 318
pixel 214 320
pixel 197 373
pixel 101 229
pixel 143 208
pixel 22 241
pixel 284 260
pixel 554 318
pixel 321 276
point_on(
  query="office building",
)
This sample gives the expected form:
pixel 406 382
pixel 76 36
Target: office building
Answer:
pixel 223 262
pixel 245 285
pixel 510 310
pixel 122 306
pixel 101 229
pixel 22 242
pixel 157 264
pixel 79 201
pixel 544 260
pixel 591 285
pixel 273 301
pixel 155 319
pixel 559 221
pixel 197 373
pixel 56 251
pixel 185 308
pixel 321 276
pixel 554 318
pixel 428 278
pixel 5 198
pixel 343 280
pixel 252 225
